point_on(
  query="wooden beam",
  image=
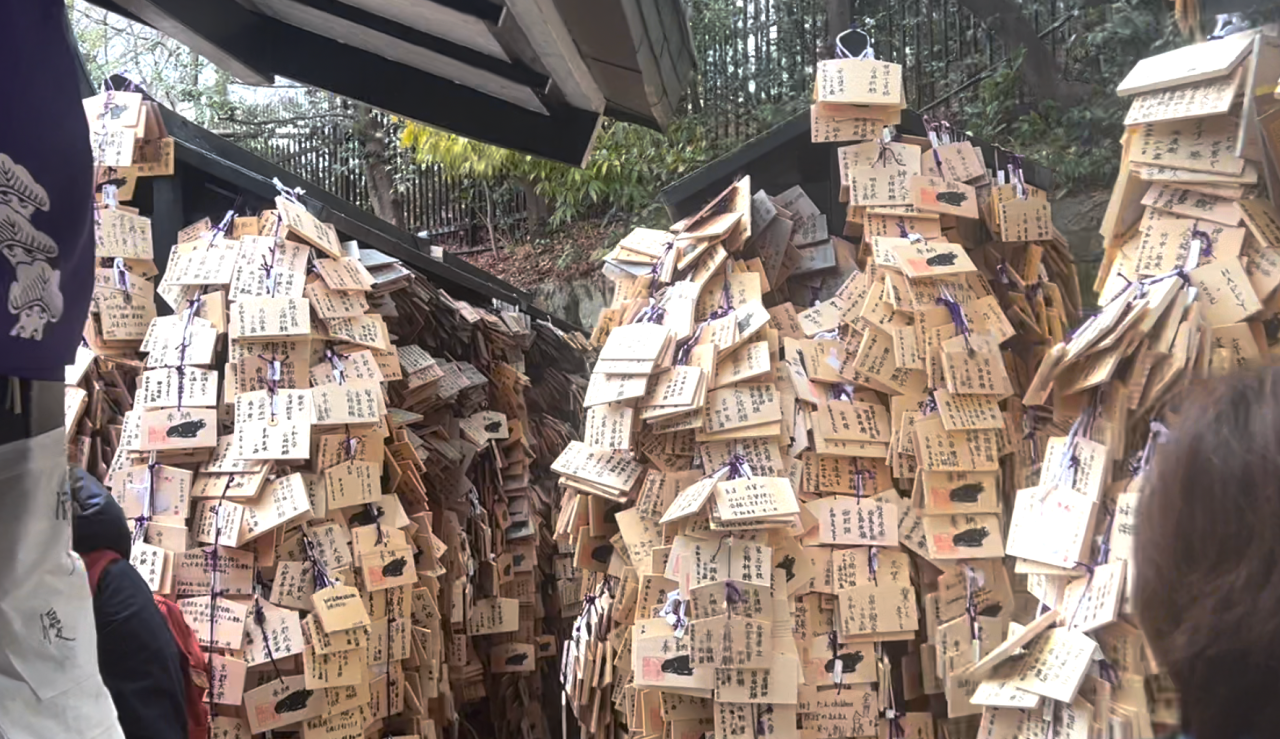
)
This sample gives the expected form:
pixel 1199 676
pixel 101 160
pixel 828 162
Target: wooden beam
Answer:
pixel 288 51
pixel 438 20
pixel 518 71
pixel 160 19
pixel 308 18
pixel 166 220
pixel 550 37
pixel 488 11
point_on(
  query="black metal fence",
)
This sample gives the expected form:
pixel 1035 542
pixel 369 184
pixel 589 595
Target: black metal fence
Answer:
pixel 757 57
pixel 945 49
pixel 310 133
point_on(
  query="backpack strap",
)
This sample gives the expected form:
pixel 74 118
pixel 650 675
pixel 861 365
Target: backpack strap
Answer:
pixel 95 562
pixel 196 671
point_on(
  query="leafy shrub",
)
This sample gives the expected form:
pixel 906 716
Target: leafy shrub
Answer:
pixel 628 166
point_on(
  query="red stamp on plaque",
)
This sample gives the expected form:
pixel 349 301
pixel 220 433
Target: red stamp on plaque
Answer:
pixel 651 669
pixel 266 713
pixel 941 498
pixel 943 544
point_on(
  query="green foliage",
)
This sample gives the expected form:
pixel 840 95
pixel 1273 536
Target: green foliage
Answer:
pixel 627 167
pixel 756 61
pixel 568 257
pixel 461 157
pixel 1118 36
pixel 1080 143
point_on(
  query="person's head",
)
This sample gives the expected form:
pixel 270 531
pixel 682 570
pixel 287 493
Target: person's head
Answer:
pixel 98 521
pixel 1207 560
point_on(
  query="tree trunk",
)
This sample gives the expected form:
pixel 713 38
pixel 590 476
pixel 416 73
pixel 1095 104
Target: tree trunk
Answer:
pixel 839 18
pixel 1039 67
pixel 536 208
pixel 488 220
pixel 188 96
pixel 375 158
pixel 193 69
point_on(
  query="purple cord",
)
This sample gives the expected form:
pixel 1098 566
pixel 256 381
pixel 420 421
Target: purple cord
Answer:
pixel 738 467
pixel 957 317
pixel 1017 173
pixel 318 571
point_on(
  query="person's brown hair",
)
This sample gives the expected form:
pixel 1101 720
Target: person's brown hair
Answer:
pixel 1206 580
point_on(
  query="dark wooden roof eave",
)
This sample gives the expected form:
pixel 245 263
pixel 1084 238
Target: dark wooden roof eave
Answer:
pixel 272 48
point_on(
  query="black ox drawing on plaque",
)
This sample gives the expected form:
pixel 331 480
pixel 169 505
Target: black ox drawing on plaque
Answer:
pixel 187 429
pixel 295 701
pixel 395 568
pixel 849 662
pixel 678 665
pixel 971 538
pixel 967 493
